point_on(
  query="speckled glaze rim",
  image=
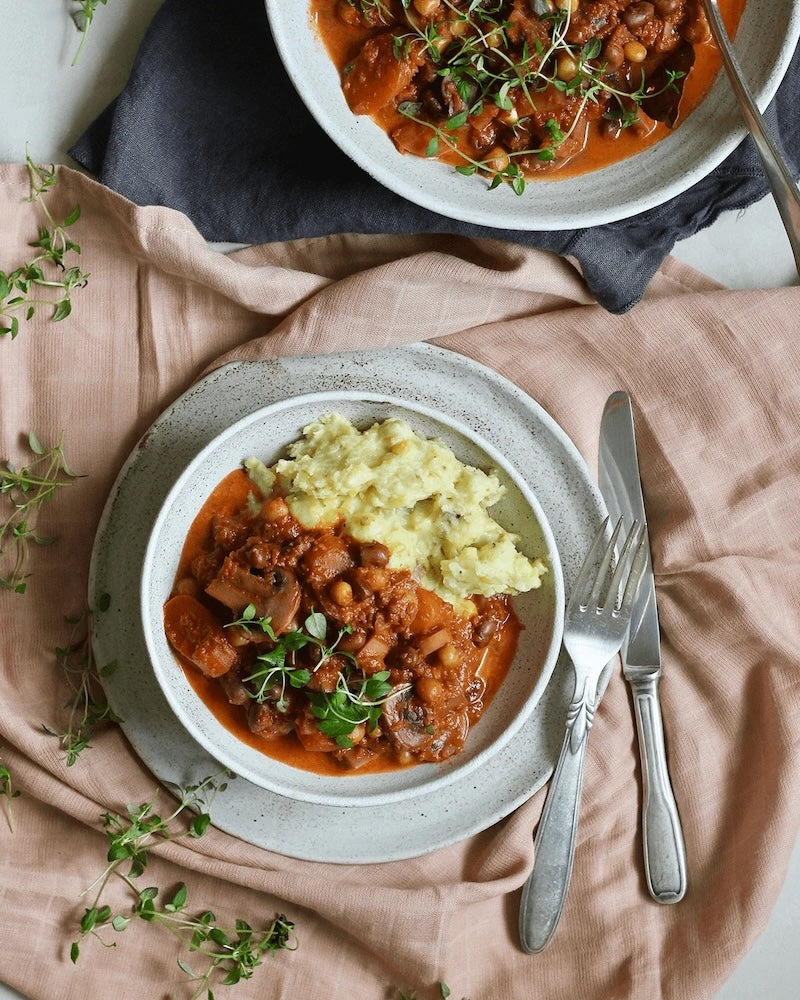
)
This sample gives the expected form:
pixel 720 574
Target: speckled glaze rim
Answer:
pixel 765 41
pixel 488 403
pixel 183 502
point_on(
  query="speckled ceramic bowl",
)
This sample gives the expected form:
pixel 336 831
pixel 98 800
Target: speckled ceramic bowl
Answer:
pixel 266 433
pixel 766 38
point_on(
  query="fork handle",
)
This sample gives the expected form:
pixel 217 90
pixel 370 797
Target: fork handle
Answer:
pixel 545 890
pixel 664 850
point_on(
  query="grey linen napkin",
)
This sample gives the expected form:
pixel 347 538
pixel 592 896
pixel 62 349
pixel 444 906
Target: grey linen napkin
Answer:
pixel 209 124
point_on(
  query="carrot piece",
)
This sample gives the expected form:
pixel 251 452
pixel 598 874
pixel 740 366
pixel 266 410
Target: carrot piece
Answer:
pixel 194 632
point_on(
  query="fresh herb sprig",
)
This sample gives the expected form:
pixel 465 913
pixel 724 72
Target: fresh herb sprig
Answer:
pixel 230 955
pixel 131 837
pixel 83 18
pixel 278 665
pixel 357 699
pixel 8 793
pixel 46 280
pixel 87 704
pixel 27 490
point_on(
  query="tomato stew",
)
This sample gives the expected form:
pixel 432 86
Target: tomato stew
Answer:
pixel 514 89
pixel 307 646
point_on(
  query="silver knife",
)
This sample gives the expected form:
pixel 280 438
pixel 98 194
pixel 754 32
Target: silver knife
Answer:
pixel 664 850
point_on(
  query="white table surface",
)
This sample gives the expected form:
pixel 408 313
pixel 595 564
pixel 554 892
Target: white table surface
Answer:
pixel 47 103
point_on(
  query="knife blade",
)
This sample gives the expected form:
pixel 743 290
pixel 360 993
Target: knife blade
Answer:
pixel 621 488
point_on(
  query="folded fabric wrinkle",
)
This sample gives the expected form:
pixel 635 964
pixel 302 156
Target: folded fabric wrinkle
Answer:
pixel 210 124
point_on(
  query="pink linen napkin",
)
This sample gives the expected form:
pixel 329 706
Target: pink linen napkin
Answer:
pixel 715 376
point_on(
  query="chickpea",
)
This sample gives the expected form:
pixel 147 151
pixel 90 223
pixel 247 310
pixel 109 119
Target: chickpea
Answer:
pixel 570 5
pixel 275 509
pixel 508 116
pixel 358 733
pixel 341 592
pixel 429 689
pixel 497 160
pixel 494 39
pixel 566 67
pixel 188 585
pixel 635 52
pixel 459 26
pixel 426 7
pixel 665 7
pixel 449 655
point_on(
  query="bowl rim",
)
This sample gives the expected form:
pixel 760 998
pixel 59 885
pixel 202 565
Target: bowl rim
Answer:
pixel 358 137
pixel 447 771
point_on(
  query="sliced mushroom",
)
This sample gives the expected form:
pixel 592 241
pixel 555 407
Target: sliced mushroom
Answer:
pixel 275 594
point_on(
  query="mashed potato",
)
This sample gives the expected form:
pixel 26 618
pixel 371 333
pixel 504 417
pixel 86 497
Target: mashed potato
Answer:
pixel 391 485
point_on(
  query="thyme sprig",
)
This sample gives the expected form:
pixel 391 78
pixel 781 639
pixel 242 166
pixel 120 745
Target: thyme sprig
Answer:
pixel 87 704
pixel 8 793
pixel 27 490
pixel 46 280
pixel 83 18
pixel 230 955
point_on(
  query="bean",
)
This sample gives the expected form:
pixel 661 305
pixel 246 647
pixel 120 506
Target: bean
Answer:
pixel 666 7
pixel 275 509
pixel 566 67
pixel 341 592
pixel 635 52
pixel 483 632
pixel 450 655
pixel 613 55
pixel 638 14
pixel 429 689
pixel 188 585
pixel 426 7
pixel 497 160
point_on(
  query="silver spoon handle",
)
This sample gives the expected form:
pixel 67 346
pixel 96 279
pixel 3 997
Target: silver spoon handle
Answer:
pixel 784 189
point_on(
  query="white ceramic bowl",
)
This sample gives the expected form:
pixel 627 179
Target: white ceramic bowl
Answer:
pixel 766 38
pixel 266 433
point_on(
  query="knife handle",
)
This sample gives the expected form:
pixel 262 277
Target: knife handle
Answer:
pixel 664 850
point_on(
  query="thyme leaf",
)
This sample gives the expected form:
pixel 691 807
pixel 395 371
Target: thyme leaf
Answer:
pixel 27 490
pixel 46 280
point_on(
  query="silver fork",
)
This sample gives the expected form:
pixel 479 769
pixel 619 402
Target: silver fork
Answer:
pixel 597 618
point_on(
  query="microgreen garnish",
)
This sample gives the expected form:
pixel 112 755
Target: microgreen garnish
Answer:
pixel 474 57
pixel 356 699
pixel 27 490
pixel 88 707
pixel 83 18
pixel 7 793
pixel 230 954
pixel 47 273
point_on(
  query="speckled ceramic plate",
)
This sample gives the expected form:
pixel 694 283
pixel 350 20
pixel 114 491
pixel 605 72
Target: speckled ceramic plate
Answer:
pixel 765 41
pixel 507 419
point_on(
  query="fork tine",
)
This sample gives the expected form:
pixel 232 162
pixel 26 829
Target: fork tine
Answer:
pixel 586 576
pixel 605 565
pixel 637 572
pixel 613 592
